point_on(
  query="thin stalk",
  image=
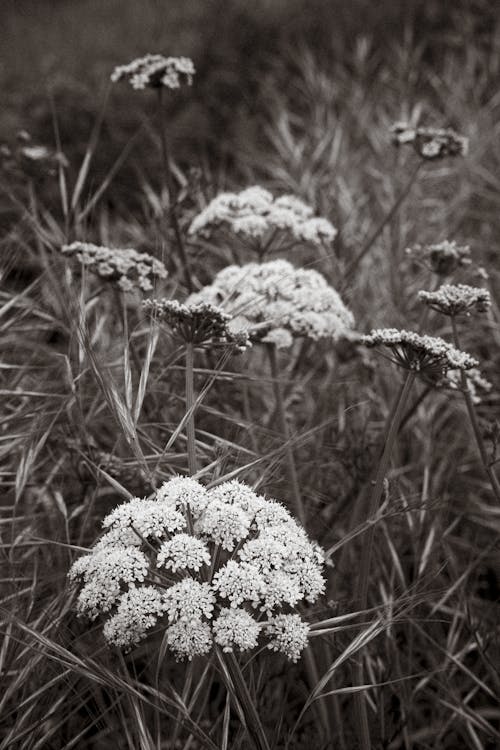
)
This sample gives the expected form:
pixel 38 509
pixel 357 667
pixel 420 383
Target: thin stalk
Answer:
pixel 237 687
pixel 387 218
pixel 495 484
pixel 170 185
pixel 190 400
pixel 280 406
pixel 361 593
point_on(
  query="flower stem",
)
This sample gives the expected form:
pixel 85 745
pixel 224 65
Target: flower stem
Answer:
pixel 361 593
pixel 239 692
pixel 191 436
pixel 170 185
pixel 280 405
pixel 495 484
pixel 387 218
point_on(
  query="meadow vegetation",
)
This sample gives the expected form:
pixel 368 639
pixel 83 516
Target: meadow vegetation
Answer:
pixel 250 382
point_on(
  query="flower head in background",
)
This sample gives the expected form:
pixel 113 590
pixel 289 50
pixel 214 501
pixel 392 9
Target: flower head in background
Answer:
pixel 457 299
pixel 476 383
pixel 431 357
pixel 276 303
pixel 223 565
pixel 430 143
pixel 255 214
pixel 443 258
pixel 155 71
pixel 127 268
pixel 197 323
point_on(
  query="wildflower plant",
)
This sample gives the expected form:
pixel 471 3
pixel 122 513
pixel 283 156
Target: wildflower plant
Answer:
pixel 277 303
pixel 428 356
pixel 155 71
pixel 457 299
pixel 430 143
pixel 442 258
pixel 222 567
pixel 127 268
pixel 197 323
pixel 263 221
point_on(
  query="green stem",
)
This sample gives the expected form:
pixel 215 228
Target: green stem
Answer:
pixel 280 405
pixel 361 593
pixel 495 484
pixel 191 436
pixel 170 185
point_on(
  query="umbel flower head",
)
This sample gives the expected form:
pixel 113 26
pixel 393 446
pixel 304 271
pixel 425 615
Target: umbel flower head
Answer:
pixel 223 566
pixel 475 383
pixel 456 299
pixel 255 214
pixel 197 323
pixel 443 258
pixel 431 357
pixel 155 71
pixel 276 302
pixel 127 268
pixel 430 143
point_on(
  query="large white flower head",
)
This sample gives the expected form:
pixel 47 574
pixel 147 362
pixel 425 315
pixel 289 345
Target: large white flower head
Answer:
pixel 127 268
pixel 272 299
pixel 256 216
pixel 156 71
pixel 221 566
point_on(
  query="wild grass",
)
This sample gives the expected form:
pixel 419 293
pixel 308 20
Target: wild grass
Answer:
pixel 100 403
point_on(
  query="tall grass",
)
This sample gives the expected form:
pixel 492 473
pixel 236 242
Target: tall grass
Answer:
pixel 98 401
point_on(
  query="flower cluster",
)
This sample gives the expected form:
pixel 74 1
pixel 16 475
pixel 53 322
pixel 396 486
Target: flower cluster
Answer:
pixel 155 71
pixel 276 302
pixel 429 356
pixel 474 381
pixel 456 299
pixel 254 214
pixel 24 157
pixel 430 143
pixel 128 268
pixel 223 566
pixel 443 258
pixel 197 322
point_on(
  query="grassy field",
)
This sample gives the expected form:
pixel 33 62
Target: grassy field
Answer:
pixel 389 462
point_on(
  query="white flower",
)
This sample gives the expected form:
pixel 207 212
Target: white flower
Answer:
pixel 182 493
pixel 289 635
pixel 272 566
pixel 454 299
pixel 269 299
pixel 189 599
pixel 430 356
pixel 188 638
pixel 138 611
pixel 104 571
pixel 239 582
pixel 126 267
pixel 183 551
pixel 155 71
pixel 223 524
pixel 236 628
pixel 255 214
pixel 149 518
